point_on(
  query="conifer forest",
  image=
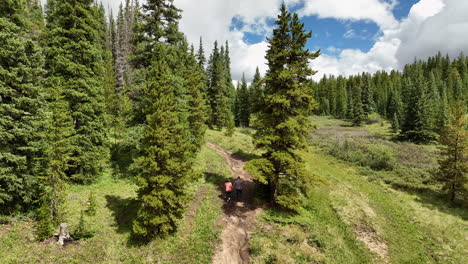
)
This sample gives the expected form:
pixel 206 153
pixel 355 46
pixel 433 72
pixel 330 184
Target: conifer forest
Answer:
pixel 118 136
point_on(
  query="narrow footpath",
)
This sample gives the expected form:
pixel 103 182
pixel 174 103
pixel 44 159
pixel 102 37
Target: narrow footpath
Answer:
pixel 238 215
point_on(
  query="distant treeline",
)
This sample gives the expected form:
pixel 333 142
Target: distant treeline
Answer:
pixel 417 101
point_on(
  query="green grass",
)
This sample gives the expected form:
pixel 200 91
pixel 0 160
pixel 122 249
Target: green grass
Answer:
pixel 353 216
pixel 240 143
pixel 194 242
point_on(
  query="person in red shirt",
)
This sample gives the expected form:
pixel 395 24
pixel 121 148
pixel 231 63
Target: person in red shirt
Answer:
pixel 228 189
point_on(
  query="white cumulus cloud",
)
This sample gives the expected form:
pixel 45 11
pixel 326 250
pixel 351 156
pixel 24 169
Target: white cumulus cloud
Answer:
pixel 377 11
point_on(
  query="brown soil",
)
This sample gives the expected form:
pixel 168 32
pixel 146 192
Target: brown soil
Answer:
pixel 373 241
pixel 238 215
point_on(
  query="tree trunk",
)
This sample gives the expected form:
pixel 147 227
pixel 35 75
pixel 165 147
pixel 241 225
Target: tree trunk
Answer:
pixel 452 192
pixel 63 235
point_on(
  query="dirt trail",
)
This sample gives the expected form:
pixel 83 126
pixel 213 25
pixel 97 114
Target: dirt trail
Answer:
pixel 238 215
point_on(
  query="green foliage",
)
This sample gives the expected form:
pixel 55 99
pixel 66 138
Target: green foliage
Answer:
pixel 91 204
pixel 74 62
pixel 21 115
pixel 256 93
pixel 219 92
pixel 195 82
pixel 419 96
pixel 44 226
pixel 244 104
pixel 417 121
pixel 453 171
pixel 82 230
pixel 282 122
pixel 163 169
pixel 395 123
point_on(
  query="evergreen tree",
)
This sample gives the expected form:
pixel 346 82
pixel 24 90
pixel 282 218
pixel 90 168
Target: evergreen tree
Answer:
pixel 244 105
pixel 57 151
pixel 453 171
pixel 282 122
pixel 162 169
pixel 195 82
pixel 219 94
pixel 73 59
pixel 227 70
pixel 395 106
pixel 256 93
pixel 359 114
pixel 21 70
pixel 201 60
pixel 237 106
pixel 367 98
pixel 417 120
pixel 172 107
pixel 341 98
pixel 443 112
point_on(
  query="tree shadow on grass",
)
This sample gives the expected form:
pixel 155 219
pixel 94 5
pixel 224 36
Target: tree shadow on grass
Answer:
pixel 436 201
pixel 244 156
pixel 124 211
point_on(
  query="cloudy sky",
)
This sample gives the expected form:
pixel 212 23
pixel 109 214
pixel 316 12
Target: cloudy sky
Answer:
pixel 354 35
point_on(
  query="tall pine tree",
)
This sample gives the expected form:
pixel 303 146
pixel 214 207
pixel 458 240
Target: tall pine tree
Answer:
pixel 453 171
pixel 21 70
pixel 282 124
pixel 172 133
pixel 74 60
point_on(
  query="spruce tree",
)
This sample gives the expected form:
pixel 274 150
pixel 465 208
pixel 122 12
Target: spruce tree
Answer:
pixel 341 97
pixel 172 110
pixel 57 151
pixel 416 124
pixel 256 93
pixel 282 123
pixel 195 82
pixel 237 109
pixel 219 93
pixel 162 169
pixel 244 104
pixel 367 97
pixel 359 114
pixel 201 60
pixel 227 70
pixel 73 58
pixel 21 115
pixel 453 171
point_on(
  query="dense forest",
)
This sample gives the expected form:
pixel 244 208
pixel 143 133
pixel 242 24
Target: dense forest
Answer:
pixel 417 101
pixel 82 93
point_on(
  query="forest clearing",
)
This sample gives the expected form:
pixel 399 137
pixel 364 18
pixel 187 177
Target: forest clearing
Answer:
pixel 351 215
pixel 134 133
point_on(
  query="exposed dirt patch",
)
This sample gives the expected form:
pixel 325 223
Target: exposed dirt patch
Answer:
pixel 238 215
pixel 372 240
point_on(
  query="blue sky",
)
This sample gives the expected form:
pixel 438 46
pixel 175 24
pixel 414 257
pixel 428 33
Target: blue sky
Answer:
pixel 331 34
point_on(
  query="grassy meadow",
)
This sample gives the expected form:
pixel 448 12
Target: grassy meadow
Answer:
pixel 194 242
pixel 370 200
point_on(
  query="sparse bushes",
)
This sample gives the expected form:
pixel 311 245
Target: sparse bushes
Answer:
pixel 376 157
pixel 92 204
pixel 82 231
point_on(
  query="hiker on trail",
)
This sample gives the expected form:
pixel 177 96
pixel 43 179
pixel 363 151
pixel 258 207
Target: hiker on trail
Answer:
pixel 238 185
pixel 228 189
